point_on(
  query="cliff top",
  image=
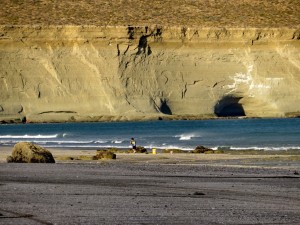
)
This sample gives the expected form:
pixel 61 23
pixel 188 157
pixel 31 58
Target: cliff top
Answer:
pixel 205 13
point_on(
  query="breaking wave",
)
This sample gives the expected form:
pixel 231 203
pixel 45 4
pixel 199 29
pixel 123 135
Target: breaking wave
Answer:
pixel 262 148
pixel 26 136
pixel 117 141
pixel 186 137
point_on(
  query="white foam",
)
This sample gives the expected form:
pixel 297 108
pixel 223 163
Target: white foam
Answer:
pixel 186 137
pixel 65 142
pixel 101 142
pixel 263 148
pixel 26 136
pixel 169 147
pixel 117 142
pixel 86 146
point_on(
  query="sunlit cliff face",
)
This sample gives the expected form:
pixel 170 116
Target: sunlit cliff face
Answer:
pixel 89 73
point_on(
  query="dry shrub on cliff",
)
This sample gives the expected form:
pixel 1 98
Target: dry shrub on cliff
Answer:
pixel 205 13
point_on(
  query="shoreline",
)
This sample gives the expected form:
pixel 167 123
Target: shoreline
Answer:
pixel 244 159
pixel 17 120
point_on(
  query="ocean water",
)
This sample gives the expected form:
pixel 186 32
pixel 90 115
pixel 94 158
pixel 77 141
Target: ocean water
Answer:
pixel 261 134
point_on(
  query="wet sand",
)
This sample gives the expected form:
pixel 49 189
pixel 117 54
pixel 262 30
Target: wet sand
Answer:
pixel 151 189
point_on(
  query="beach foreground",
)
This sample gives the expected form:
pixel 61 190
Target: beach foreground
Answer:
pixel 151 189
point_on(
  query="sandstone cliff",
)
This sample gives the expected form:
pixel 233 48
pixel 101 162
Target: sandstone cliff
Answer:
pixel 93 73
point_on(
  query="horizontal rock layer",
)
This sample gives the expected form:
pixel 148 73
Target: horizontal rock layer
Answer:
pixel 93 73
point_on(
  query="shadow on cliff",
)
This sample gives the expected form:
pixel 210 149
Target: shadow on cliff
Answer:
pixel 164 108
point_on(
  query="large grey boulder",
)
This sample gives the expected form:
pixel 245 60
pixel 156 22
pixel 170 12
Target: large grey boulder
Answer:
pixel 25 152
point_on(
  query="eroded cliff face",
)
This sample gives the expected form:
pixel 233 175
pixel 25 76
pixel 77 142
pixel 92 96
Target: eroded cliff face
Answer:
pixel 90 73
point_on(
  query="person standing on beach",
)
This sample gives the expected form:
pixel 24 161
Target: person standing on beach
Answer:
pixel 133 144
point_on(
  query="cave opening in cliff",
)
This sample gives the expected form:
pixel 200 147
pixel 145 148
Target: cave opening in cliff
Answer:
pixel 164 108
pixel 229 106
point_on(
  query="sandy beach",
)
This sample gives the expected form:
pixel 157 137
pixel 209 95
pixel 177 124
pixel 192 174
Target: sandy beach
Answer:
pixel 90 61
pixel 151 189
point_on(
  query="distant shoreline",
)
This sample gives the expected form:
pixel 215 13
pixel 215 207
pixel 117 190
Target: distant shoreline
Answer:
pixel 222 150
pixel 4 121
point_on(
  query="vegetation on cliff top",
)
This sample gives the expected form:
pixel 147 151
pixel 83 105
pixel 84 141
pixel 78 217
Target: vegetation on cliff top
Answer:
pixel 205 13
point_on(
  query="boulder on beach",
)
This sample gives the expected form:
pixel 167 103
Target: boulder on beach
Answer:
pixel 139 149
pixel 202 149
pixel 26 152
pixel 104 154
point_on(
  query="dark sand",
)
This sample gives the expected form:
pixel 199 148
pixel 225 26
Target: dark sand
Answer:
pixel 151 189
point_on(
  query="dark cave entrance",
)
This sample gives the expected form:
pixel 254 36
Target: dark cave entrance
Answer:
pixel 229 106
pixel 164 108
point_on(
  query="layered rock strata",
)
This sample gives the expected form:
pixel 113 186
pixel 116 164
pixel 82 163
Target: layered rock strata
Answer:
pixel 93 73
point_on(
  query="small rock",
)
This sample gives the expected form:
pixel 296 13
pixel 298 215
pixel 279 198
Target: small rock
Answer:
pixel 198 193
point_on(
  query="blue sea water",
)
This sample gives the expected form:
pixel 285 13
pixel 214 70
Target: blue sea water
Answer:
pixel 262 134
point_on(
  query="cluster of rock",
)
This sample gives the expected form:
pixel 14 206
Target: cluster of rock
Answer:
pixel 25 152
pixel 110 152
pixel 139 149
pixel 202 149
pixel 104 154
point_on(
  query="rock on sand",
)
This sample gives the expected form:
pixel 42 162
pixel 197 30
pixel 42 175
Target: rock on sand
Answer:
pixel 25 152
